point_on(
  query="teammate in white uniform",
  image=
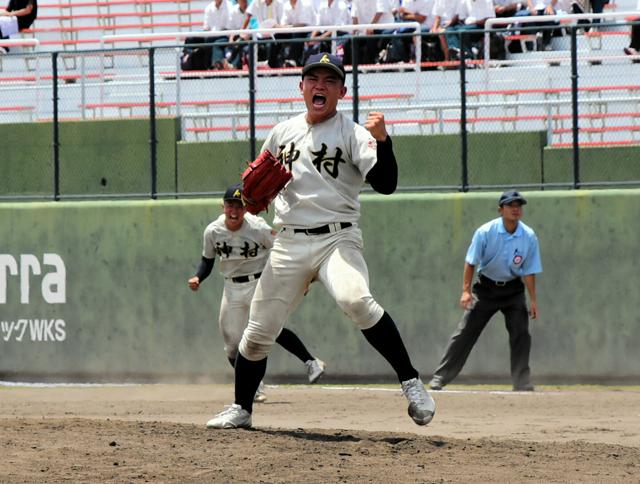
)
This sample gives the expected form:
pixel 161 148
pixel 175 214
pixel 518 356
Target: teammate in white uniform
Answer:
pixel 242 242
pixel 330 157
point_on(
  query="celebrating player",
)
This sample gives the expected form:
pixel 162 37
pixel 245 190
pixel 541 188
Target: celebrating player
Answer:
pixel 505 251
pixel 330 158
pixel 242 241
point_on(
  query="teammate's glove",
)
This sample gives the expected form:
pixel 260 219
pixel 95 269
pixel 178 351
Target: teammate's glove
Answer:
pixel 262 181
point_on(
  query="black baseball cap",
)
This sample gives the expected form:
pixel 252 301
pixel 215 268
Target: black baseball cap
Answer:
pixel 233 193
pixel 511 196
pixel 328 61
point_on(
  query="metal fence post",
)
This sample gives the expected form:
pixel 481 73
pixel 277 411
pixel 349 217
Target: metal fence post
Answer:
pixel 354 76
pixel 153 139
pixel 56 129
pixel 463 115
pixel 253 47
pixel 574 108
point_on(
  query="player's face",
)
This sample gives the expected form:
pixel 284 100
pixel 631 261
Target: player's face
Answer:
pixel 321 89
pixel 233 214
pixel 511 212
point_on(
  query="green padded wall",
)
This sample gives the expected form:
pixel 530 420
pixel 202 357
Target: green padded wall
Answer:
pixel 97 157
pixel 112 157
pixel 129 314
pixel 596 164
pixel 206 167
pixel 26 164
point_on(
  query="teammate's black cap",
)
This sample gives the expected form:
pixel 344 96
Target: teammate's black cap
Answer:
pixel 326 60
pixel 512 196
pixel 233 193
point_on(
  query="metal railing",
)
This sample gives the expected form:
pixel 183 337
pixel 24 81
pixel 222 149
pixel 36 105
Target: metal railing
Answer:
pixel 415 79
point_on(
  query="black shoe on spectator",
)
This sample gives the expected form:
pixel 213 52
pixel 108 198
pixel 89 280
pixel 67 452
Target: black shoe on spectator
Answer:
pixel 454 53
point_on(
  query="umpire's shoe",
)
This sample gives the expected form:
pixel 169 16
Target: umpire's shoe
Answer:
pixel 422 408
pixel 234 417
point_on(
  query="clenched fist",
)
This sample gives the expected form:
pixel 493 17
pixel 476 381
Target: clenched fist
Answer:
pixel 194 283
pixel 375 125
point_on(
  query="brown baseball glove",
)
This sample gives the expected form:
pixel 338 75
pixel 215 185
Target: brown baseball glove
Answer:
pixel 262 181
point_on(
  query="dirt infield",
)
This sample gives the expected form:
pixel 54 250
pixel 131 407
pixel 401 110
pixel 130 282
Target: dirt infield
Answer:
pixel 318 434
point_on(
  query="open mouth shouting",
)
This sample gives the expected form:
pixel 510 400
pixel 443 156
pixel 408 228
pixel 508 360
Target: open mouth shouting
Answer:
pixel 319 100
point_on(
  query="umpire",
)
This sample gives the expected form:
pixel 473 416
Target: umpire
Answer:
pixel 506 252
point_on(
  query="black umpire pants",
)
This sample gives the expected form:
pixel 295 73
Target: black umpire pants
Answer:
pixel 491 298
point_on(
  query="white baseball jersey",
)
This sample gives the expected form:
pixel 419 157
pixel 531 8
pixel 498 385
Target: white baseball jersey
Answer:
pixel 335 14
pixel 216 18
pixel 241 252
pixel 329 162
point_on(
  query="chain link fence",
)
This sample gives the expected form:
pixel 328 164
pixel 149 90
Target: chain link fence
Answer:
pixel 535 110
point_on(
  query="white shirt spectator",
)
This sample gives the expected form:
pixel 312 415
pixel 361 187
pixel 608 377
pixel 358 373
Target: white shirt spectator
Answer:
pixel 422 7
pixel 216 16
pixel 316 4
pixel 335 13
pixel 236 17
pixel 299 15
pixel 267 16
pixel 472 11
pixel 365 10
pixel 542 4
pixel 446 10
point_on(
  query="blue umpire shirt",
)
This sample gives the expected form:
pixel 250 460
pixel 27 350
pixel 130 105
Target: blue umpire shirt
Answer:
pixel 502 256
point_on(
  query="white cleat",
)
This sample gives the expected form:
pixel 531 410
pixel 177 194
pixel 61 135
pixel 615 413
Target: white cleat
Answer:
pixel 233 417
pixel 422 408
pixel 315 369
pixel 260 396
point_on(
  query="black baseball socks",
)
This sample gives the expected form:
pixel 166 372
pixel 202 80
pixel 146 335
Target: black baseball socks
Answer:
pixel 249 374
pixel 385 337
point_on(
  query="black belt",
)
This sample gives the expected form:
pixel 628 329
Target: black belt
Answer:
pixel 490 282
pixel 325 229
pixel 250 277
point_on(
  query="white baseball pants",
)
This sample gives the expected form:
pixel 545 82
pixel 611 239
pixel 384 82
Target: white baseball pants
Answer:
pixel 296 259
pixel 234 313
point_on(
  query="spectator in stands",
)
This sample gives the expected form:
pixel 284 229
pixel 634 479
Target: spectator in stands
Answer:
pixel 444 11
pixel 414 11
pixel 469 20
pixel 19 15
pixel 634 46
pixel 216 19
pixel 508 8
pixel 371 12
pixel 295 13
pixel 540 8
pixel 267 14
pixel 237 15
pixel 329 13
pixel 403 48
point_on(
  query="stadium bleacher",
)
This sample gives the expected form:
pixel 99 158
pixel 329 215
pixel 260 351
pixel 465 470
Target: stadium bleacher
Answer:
pixel 524 94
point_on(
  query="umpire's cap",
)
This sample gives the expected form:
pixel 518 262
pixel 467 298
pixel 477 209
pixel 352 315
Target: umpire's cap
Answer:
pixel 233 193
pixel 328 61
pixel 511 196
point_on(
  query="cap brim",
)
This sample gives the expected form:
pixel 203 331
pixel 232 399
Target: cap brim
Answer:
pixel 324 65
pixel 511 200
